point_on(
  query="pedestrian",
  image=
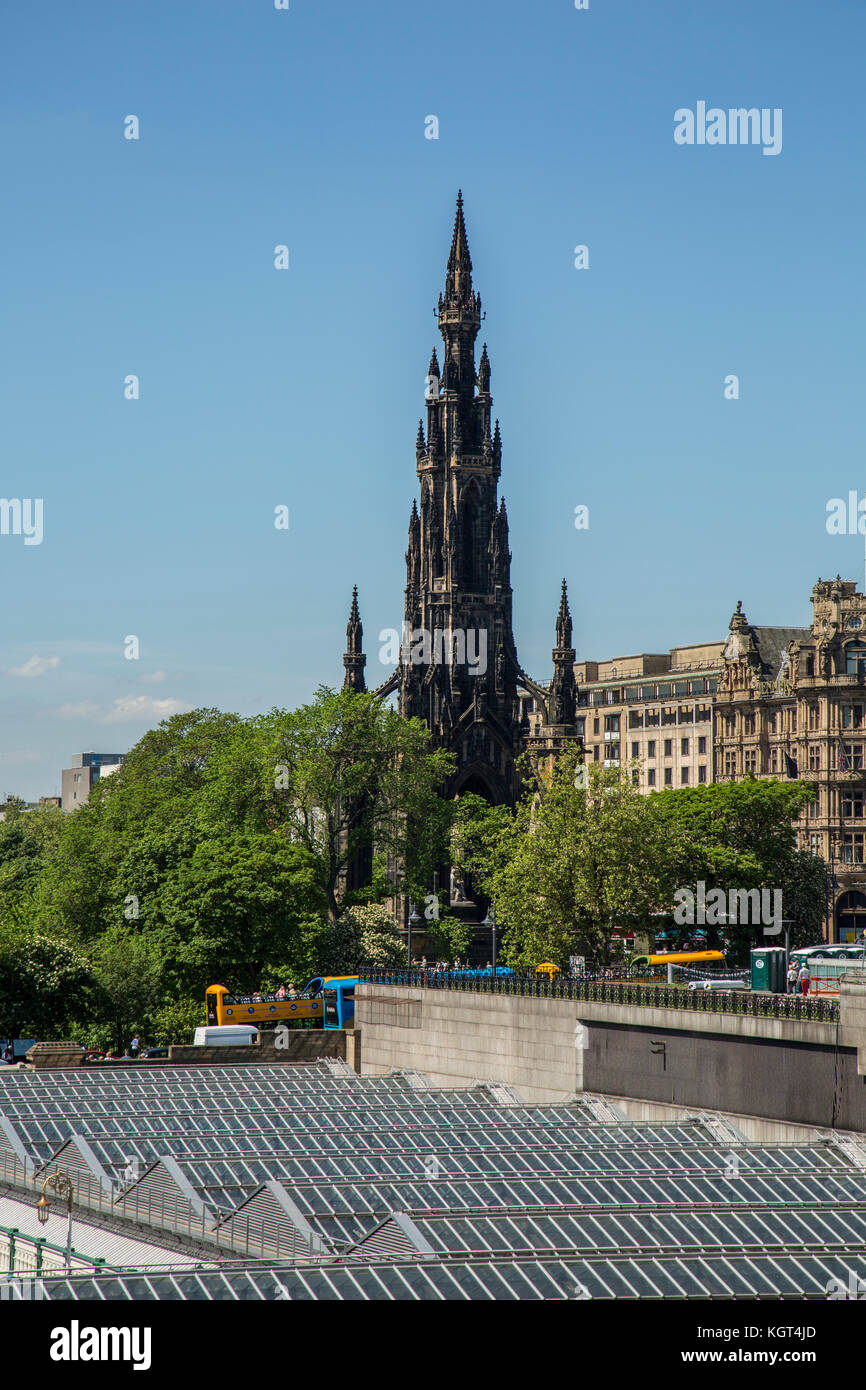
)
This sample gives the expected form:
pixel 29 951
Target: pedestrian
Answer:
pixel 803 978
pixel 134 1046
pixel 792 977
pixel 281 993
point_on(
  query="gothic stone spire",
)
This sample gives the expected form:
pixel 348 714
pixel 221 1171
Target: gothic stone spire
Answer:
pixel 354 660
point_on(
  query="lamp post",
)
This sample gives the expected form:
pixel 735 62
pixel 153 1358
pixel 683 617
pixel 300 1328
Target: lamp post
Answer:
pixel 490 921
pixel 62 1185
pixel 414 921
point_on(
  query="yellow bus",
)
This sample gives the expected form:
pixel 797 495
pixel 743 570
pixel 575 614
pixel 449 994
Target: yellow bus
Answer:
pixel 223 1007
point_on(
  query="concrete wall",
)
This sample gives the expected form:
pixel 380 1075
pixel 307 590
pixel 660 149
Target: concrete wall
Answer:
pixel 792 1071
pixel 458 1038
pixel 304 1045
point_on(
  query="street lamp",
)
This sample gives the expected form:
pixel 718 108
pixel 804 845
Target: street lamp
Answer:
pixel 414 921
pixel 62 1185
pixel 490 921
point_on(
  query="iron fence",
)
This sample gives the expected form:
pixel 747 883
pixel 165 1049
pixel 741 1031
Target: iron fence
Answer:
pixel 600 991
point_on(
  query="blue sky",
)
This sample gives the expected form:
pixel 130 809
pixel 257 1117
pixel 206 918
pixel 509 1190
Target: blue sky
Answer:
pixel 303 387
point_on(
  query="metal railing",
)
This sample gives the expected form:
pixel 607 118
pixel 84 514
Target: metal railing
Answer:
pixel 35 1255
pixel 156 1210
pixel 758 1005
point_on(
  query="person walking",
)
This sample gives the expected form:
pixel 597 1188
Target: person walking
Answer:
pixel 792 977
pixel 134 1046
pixel 804 978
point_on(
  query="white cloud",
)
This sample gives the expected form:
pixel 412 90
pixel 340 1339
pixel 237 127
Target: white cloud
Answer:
pixel 126 709
pixel 35 666
pixel 138 707
pixel 157 677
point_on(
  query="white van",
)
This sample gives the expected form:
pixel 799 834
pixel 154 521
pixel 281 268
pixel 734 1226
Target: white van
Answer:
pixel 227 1035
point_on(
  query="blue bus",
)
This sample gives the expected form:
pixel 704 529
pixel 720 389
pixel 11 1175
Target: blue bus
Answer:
pixel 338 997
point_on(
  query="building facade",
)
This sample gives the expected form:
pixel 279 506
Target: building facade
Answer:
pixel 77 781
pixel 767 702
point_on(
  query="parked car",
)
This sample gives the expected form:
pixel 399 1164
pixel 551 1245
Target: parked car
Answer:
pixel 156 1052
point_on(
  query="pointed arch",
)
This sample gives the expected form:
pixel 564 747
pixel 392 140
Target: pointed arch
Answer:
pixel 472 547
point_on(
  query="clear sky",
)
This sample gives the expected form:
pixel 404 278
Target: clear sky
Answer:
pixel 260 387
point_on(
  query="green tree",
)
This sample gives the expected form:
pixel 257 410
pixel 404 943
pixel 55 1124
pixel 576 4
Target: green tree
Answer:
pixel 44 984
pixel 741 835
pixel 127 970
pixel 582 851
pixel 363 937
pixel 349 775
pixel 234 907
pixel 449 937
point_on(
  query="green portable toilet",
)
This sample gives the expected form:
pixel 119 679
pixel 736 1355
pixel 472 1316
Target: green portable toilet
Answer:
pixel 768 968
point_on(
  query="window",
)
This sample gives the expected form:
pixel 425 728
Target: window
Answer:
pixel 635 719
pixel 669 747
pixel 687 715
pixel 849 757
pixel 750 760
pixel 669 776
pixel 772 720
pixel 702 746
pixel 581 728
pixel 748 723
pixel 702 772
pixel 651 748
pixel 612 751
pixel 815 844
pixel 595 726
pixel 652 716
pixel 774 760
pixel 852 716
pixel 611 723
pixel 684 776
pixel 814 757
pixel 814 713
pixel 852 848
pixel 595 753
pixel 681 687
pixel 77 777
pixel 793 721
pixel 651 777
pixel 669 716
pixel 730 764
pixel 855 665
pixel 730 725
pixel 635 750
pixel 852 804
pixel 684 747
pixel 664 692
